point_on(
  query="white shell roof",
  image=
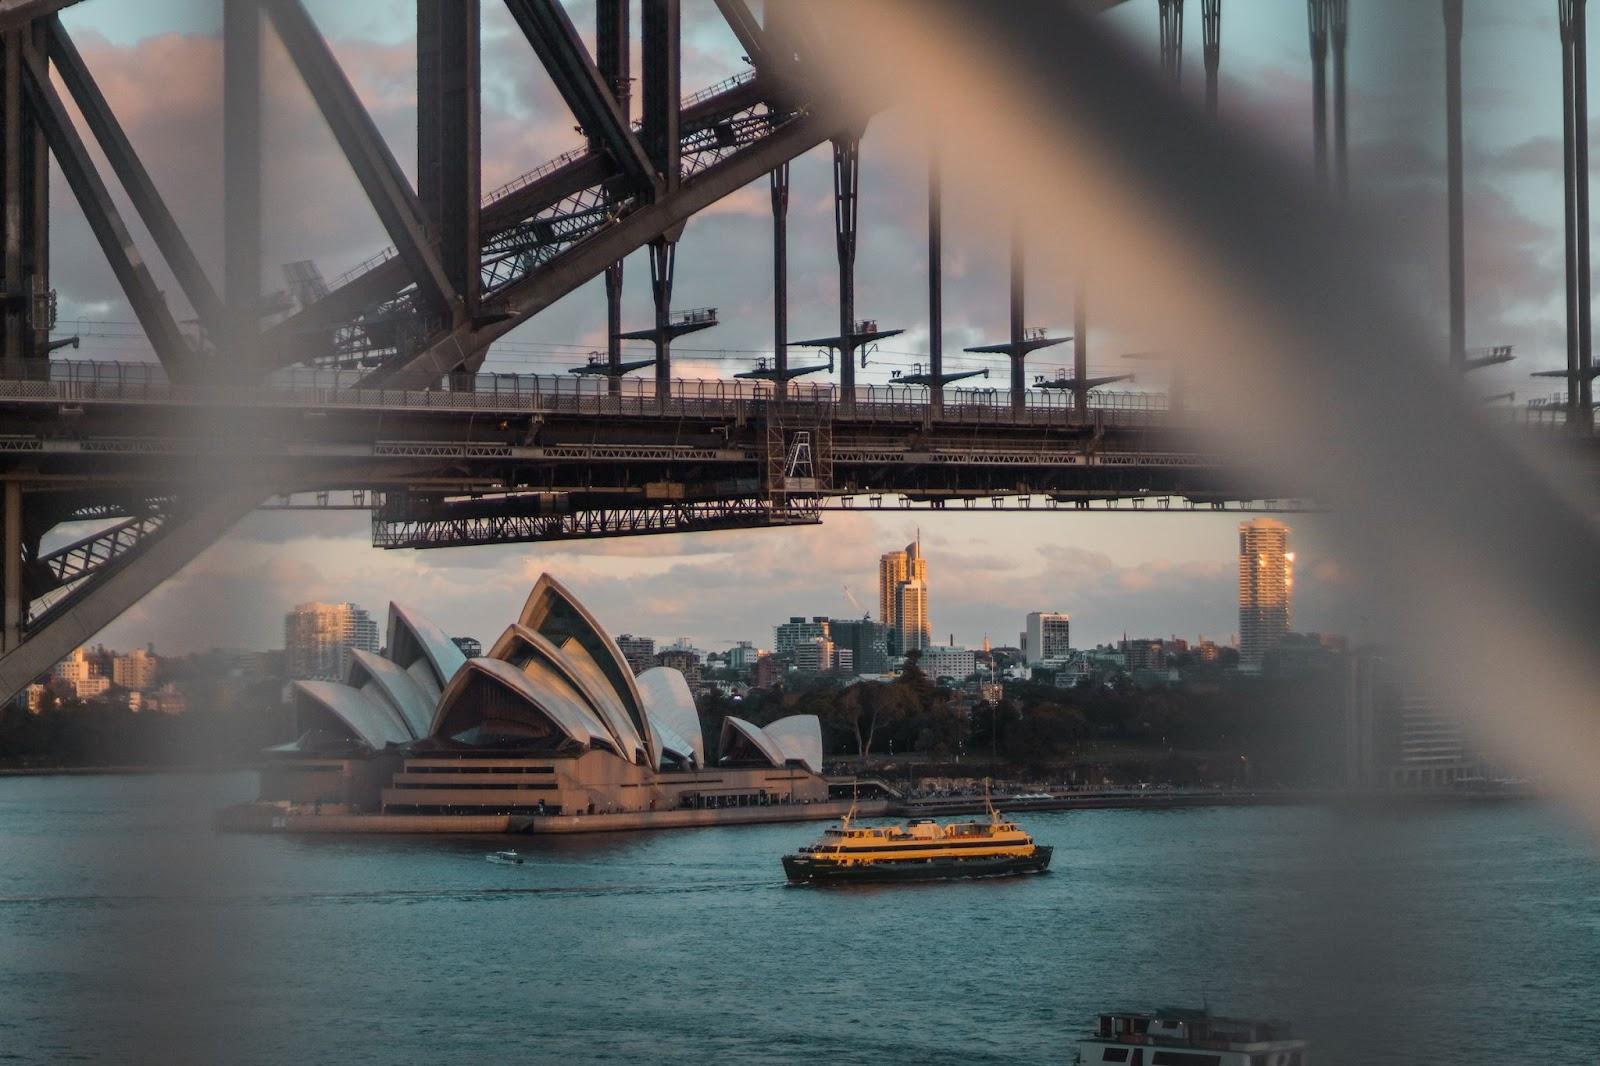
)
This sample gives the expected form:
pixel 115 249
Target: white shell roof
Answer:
pixel 669 705
pixel 372 720
pixel 756 735
pixel 799 737
pixel 554 613
pixel 574 666
pixel 561 707
pixel 413 639
pixel 413 703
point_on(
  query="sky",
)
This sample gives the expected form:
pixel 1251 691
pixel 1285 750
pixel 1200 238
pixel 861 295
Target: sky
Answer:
pixel 1143 574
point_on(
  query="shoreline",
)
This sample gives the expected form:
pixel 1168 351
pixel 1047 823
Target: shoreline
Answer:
pixel 268 818
pixel 118 771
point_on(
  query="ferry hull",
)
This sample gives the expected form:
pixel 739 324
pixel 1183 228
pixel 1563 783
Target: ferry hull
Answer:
pixel 805 870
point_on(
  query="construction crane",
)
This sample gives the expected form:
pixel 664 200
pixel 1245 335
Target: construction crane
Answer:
pixel 856 603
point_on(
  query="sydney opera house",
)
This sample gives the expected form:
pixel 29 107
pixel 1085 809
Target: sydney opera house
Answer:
pixel 550 722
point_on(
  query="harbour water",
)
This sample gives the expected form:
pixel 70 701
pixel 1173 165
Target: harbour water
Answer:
pixel 130 931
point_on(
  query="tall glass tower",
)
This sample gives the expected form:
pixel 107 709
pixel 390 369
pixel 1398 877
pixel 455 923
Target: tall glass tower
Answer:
pixel 1266 588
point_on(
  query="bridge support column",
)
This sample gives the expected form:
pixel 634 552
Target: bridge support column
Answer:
pixel 1569 139
pixel 663 258
pixel 1338 32
pixel 11 565
pixel 1317 18
pixel 1080 350
pixel 780 280
pixel 1211 26
pixel 1172 41
pixel 846 199
pixel 241 176
pixel 1018 353
pixel 15 292
pixel 935 283
pixel 659 21
pixel 448 181
pixel 614 62
pixel 1452 92
pixel 614 328
pixel 1580 163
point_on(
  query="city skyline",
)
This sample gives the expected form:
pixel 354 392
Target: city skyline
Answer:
pixel 1169 588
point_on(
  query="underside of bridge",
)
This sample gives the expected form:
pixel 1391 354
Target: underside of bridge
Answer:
pixel 114 475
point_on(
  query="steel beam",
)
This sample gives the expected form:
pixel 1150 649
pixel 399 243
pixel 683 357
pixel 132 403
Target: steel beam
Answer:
pixel 1080 349
pixel 614 326
pixel 11 566
pixel 662 88
pixel 141 190
pixel 1570 171
pixel 448 170
pixel 612 56
pixel 752 38
pixel 284 342
pixel 36 224
pixel 1338 32
pixel 1211 27
pixel 241 174
pixel 540 289
pixel 663 259
pixel 1580 156
pixel 148 304
pixel 780 279
pixel 1172 40
pixel 1018 319
pixel 120 588
pixel 11 194
pixel 560 49
pixel 1457 266
pixel 935 281
pixel 1317 20
pixel 15 14
pixel 846 202
pixel 375 167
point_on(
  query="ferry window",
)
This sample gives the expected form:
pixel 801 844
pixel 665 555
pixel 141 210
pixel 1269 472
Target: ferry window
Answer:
pixel 1184 1058
pixel 1115 1054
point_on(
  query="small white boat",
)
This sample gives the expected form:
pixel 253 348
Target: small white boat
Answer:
pixel 505 858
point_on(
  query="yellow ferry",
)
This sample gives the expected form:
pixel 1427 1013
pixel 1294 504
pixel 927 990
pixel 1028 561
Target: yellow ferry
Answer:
pixel 922 850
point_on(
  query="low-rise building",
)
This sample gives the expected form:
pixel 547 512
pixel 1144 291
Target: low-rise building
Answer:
pixel 686 662
pixel 638 652
pixel 135 671
pixel 814 656
pixel 943 660
pixel 796 631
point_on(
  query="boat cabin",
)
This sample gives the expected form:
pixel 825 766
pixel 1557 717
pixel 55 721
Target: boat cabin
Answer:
pixel 1183 1037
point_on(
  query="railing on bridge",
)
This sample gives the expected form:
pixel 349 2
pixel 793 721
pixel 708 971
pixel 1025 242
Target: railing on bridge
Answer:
pixel 71 381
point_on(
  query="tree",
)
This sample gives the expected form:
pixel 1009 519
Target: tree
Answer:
pixel 868 706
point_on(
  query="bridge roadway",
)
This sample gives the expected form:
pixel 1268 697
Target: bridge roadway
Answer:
pixel 162 469
pixel 115 429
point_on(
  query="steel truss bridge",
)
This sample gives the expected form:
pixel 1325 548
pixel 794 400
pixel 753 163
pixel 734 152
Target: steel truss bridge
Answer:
pixel 368 390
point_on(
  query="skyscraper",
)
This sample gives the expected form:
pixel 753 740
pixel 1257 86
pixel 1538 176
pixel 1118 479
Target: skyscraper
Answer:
pixel 1048 636
pixel 903 598
pixel 893 569
pixel 317 638
pixel 1266 588
pixel 911 614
